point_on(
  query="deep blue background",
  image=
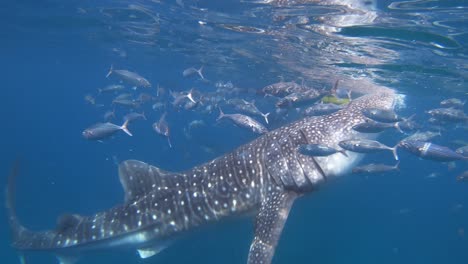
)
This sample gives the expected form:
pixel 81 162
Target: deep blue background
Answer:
pixel 47 68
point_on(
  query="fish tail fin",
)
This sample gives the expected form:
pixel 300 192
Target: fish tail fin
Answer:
pixel 172 93
pixel 221 114
pixel 343 152
pixel 334 88
pixel 350 95
pixel 266 117
pixel 163 117
pixel 169 142
pixel 190 96
pixel 200 73
pixel 397 166
pixel 22 238
pixel 411 117
pixel 99 91
pixel 125 129
pixel 110 71
pixel 397 126
pixel 394 151
pixel 144 116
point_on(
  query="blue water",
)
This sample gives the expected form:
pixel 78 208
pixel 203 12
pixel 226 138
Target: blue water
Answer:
pixel 53 53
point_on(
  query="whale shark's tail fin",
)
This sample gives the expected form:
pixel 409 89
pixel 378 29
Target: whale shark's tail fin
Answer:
pixel 15 225
pixel 18 232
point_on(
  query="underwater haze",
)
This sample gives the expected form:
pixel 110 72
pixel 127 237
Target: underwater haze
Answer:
pixel 68 67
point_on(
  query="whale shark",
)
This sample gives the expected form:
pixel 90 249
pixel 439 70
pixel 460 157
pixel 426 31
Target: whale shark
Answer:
pixel 264 176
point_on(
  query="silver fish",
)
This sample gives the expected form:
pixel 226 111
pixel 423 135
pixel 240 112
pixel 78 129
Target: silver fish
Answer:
pixel 158 106
pixel 126 103
pixel 196 123
pixel 123 96
pixel 250 108
pixel 134 116
pixel 132 78
pixel 448 114
pixel 453 102
pixel 381 115
pixel 111 88
pixel 319 150
pixel 103 130
pixel 300 99
pixel 281 89
pixel 181 97
pixel 144 97
pixel 463 176
pixel 366 146
pixel 162 128
pixel 408 124
pixel 243 121
pixel 428 150
pixel 191 71
pixel 322 109
pixel 462 150
pixel 371 126
pixel 109 115
pixel 422 136
pixel 375 168
pixel 90 99
pixel 190 105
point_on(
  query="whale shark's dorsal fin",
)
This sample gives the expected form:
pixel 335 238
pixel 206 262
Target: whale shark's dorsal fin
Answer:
pixel 269 223
pixel 139 178
pixel 68 221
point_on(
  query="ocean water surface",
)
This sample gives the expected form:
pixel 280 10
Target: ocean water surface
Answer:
pixel 55 57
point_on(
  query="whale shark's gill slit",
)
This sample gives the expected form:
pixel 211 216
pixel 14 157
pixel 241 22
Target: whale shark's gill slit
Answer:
pixel 316 164
pixel 277 166
pixel 304 136
pixel 319 168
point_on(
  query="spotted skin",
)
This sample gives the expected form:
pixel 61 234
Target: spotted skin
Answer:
pixel 263 176
pixel 269 224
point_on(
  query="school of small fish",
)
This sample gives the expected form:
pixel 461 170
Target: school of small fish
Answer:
pixel 283 99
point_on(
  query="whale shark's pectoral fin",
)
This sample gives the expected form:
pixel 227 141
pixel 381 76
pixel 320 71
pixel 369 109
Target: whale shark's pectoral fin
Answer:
pixel 139 178
pixel 67 259
pixel 151 251
pixel 148 252
pixel 269 224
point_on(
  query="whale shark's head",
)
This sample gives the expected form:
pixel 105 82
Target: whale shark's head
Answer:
pixel 302 172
